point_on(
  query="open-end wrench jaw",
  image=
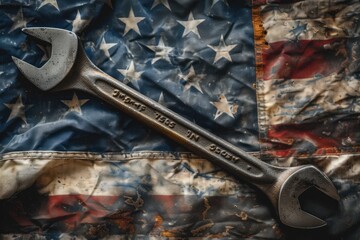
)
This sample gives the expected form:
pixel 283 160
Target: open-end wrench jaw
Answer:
pixel 64 50
pixel 289 208
pixel 69 68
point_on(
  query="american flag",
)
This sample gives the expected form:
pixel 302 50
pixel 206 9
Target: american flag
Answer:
pixel 279 79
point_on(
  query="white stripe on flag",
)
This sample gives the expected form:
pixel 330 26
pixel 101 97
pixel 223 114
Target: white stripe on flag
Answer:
pixel 299 100
pixel 56 173
pixel 311 20
pixel 101 175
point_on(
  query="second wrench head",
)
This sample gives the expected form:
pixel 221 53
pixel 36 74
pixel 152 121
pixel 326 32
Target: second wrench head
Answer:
pixel 63 54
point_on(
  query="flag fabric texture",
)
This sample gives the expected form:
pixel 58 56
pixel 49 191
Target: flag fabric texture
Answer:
pixel 277 78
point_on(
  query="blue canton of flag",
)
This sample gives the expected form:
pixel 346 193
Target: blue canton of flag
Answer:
pixel 193 58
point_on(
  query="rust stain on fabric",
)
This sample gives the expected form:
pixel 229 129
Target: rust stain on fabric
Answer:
pixel 243 216
pixel 158 221
pixel 98 231
pixel 207 207
pixel 259 39
pixel 137 203
pixel 202 228
pixel 124 220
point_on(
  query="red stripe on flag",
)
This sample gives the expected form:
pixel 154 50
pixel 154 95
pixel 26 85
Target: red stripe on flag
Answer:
pixel 317 138
pixel 78 208
pixel 304 58
pixel 162 215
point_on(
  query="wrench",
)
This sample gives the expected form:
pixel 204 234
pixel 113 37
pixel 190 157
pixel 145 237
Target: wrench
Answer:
pixel 69 68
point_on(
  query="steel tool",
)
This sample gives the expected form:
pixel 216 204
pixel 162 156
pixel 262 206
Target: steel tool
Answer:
pixel 69 68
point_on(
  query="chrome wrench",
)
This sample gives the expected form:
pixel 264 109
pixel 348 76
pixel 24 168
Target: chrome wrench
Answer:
pixel 69 69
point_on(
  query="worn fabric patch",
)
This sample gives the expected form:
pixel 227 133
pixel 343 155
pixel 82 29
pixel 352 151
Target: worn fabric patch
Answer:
pixel 142 194
pixel 309 91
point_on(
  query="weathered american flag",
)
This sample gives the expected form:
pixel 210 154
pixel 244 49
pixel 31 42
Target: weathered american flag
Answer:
pixel 279 79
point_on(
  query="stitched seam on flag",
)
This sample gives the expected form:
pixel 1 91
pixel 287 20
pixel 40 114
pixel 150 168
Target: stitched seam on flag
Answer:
pixel 126 156
pixel 94 156
pixel 260 46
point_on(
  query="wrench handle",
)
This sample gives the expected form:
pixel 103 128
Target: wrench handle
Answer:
pixel 207 145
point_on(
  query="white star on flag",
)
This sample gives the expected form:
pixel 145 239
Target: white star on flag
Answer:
pixel 163 2
pixel 75 104
pixel 164 102
pixel 191 25
pixel 78 24
pixel 17 110
pixel 50 2
pixel 222 50
pixel 105 47
pixel 131 22
pixel 162 99
pixel 131 75
pixel 223 106
pixel 192 80
pixel 19 21
pixel 161 51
